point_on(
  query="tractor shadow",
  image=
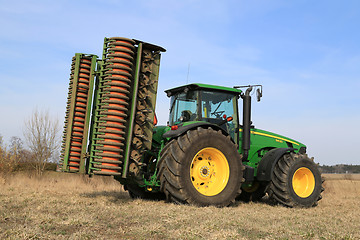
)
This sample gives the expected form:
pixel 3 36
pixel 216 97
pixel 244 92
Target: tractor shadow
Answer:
pixel 117 197
pixel 264 200
pixel 111 196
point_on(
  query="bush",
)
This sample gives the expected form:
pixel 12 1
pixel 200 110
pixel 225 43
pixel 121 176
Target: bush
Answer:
pixel 8 158
pixel 15 158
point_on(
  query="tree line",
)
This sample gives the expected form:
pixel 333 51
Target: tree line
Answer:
pixel 40 150
pixel 340 168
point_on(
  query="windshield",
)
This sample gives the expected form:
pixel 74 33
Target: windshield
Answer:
pixel 210 106
pixel 183 107
pixel 218 106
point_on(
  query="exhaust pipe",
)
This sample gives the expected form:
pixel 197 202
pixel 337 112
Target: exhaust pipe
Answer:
pixel 246 123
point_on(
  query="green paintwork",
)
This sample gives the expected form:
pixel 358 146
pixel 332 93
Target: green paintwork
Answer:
pixel 262 141
pixel 94 119
pixel 144 78
pixel 94 133
pixel 132 111
pixel 154 79
pixel 70 120
pixel 158 132
pixel 82 164
pixel 87 118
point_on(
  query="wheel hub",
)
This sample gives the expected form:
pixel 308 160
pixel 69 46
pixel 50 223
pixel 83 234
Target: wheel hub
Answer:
pixel 303 182
pixel 204 171
pixel 209 171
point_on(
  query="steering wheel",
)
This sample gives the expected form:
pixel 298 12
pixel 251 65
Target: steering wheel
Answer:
pixel 218 114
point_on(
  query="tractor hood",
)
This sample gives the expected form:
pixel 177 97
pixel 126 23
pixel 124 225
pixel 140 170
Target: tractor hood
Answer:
pixel 266 138
pixel 259 138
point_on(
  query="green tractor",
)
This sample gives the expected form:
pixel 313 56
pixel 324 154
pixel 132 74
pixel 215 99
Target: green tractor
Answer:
pixel 204 156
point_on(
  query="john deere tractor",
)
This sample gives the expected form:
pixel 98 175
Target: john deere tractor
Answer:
pixel 204 156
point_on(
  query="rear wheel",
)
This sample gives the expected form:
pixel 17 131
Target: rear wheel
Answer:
pixel 296 181
pixel 202 167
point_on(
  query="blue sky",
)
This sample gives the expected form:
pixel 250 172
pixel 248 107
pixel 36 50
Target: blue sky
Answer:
pixel 306 54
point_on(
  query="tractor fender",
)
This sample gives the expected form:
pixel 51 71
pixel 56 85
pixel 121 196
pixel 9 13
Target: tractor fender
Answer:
pixel 181 130
pixel 268 162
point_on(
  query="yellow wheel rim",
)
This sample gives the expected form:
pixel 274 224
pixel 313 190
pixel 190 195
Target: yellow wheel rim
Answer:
pixel 303 182
pixel 209 171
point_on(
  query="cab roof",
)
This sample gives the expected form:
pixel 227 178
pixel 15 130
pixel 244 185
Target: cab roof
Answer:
pixel 200 86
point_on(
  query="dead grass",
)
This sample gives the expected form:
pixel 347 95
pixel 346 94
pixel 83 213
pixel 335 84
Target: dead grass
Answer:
pixel 355 177
pixel 67 206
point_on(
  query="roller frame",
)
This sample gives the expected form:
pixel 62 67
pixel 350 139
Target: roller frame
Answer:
pixel 70 120
pixel 132 114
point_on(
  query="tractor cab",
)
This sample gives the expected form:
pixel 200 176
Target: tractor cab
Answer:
pixel 206 103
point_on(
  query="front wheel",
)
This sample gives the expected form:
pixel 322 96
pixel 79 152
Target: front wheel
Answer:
pixel 201 167
pixel 295 181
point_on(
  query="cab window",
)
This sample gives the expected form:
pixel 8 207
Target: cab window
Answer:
pixel 216 107
pixel 183 107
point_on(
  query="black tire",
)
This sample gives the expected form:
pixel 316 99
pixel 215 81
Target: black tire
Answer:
pixel 254 193
pixel 137 192
pixel 178 174
pixel 284 189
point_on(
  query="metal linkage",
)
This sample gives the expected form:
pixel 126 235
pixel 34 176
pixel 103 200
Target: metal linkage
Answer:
pixel 111 110
pixel 78 113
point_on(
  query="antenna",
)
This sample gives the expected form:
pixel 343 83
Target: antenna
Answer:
pixel 187 78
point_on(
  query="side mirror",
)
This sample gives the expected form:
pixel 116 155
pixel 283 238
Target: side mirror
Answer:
pixel 258 94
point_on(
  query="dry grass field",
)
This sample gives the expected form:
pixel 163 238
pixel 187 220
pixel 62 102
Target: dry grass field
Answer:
pixel 67 206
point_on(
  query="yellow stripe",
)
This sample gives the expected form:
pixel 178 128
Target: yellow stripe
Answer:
pixel 272 136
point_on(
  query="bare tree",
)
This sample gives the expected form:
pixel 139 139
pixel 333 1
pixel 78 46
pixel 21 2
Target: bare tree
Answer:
pixel 41 134
pixel 16 148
